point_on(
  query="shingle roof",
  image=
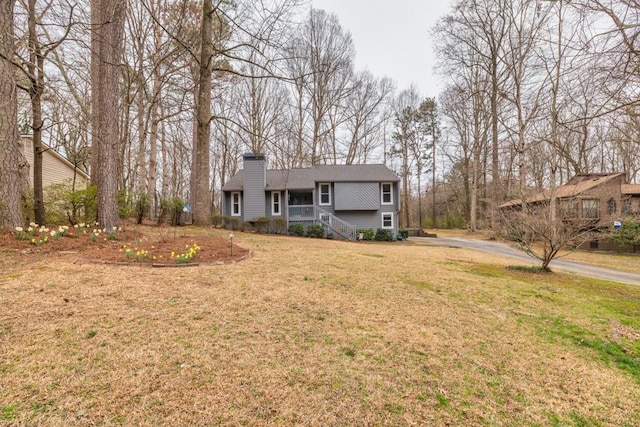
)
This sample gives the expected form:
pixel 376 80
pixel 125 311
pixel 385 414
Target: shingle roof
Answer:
pixel 306 178
pixel 354 173
pixel 630 189
pixel 576 185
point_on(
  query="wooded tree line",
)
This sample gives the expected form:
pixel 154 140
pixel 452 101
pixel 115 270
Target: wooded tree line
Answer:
pixel 538 91
pixel 160 98
pixel 198 84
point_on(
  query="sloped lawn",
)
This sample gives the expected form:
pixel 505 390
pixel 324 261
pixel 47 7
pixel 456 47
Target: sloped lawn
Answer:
pixel 314 332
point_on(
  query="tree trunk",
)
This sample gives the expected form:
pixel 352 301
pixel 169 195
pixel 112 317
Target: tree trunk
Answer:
pixel 405 187
pixel 10 155
pixel 153 153
pixel 164 150
pixel 202 198
pixel 93 71
pixel 140 183
pixel 475 177
pixel 496 186
pixel 420 201
pixel 36 88
pixel 434 216
pixel 155 108
pixel 108 29
pixel 193 178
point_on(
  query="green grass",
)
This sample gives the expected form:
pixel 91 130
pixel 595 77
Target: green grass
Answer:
pixel 443 402
pixel 624 357
pixel 8 413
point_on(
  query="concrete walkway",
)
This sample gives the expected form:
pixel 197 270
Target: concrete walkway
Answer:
pixel 507 251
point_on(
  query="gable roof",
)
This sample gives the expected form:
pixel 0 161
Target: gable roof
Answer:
pixel 27 151
pixel 576 185
pixel 306 178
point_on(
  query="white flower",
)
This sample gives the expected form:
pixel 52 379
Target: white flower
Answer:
pixel 19 229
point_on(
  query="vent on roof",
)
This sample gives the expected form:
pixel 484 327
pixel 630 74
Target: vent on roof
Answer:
pixel 596 178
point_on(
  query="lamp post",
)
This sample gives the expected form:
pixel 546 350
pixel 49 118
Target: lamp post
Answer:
pixel 231 238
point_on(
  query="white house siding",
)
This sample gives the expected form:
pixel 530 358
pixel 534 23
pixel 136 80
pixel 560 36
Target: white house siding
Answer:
pixel 55 168
pixel 55 172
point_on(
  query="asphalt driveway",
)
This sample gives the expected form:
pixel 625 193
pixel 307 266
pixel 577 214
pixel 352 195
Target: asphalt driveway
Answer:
pixel 507 251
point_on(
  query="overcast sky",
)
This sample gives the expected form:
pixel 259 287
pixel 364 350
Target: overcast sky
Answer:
pixel 392 37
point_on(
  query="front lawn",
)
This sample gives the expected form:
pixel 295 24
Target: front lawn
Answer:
pixel 315 332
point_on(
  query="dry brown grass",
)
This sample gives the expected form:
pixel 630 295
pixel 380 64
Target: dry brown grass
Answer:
pixel 480 234
pixel 621 261
pixel 311 332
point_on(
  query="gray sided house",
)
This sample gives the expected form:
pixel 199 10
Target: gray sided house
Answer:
pixel 343 198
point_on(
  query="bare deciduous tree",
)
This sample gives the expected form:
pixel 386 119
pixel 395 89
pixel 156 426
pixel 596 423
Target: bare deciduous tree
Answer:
pixel 543 235
pixel 32 67
pixel 324 66
pixel 365 115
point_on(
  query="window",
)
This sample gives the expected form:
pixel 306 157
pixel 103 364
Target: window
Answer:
pixel 626 206
pixel 568 208
pixel 235 204
pixel 275 203
pixel 589 208
pixel 298 199
pixel 611 207
pixel 387 193
pixel 387 220
pixel 325 194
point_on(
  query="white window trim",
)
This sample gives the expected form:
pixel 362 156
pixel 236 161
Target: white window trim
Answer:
pixel 273 203
pixel 239 213
pixel 382 184
pixel 382 215
pixel 320 194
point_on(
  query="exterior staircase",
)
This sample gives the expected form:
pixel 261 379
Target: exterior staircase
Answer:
pixel 336 225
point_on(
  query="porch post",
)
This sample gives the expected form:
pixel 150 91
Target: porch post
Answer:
pixel 286 211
